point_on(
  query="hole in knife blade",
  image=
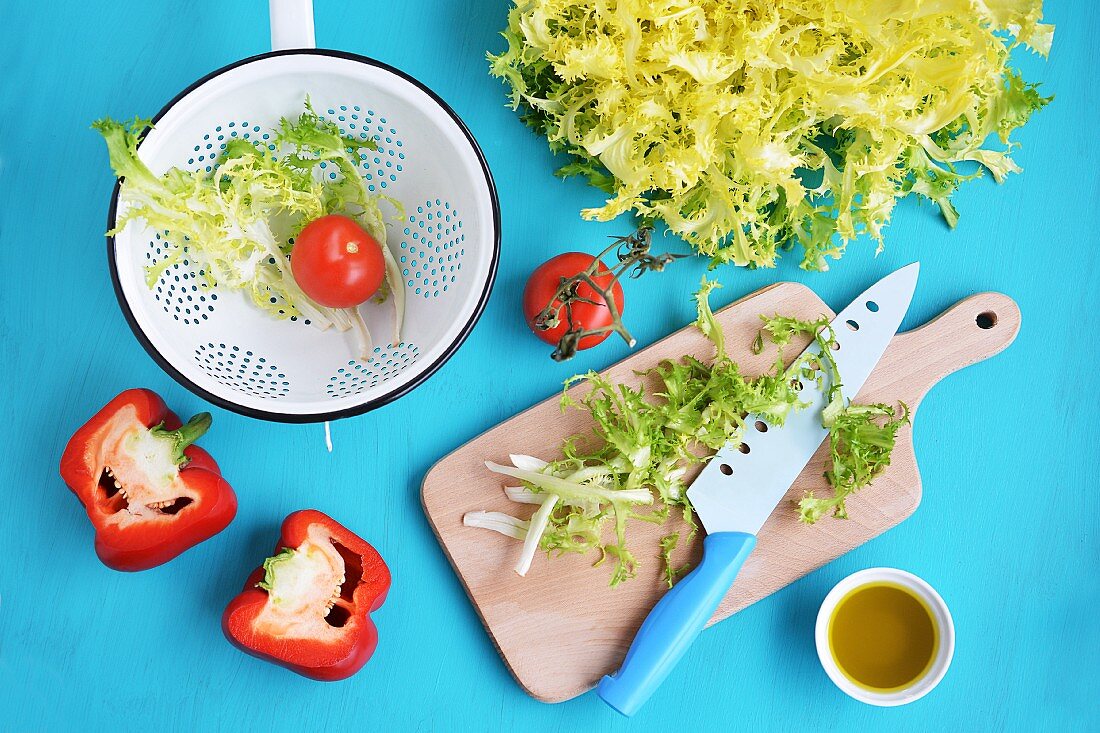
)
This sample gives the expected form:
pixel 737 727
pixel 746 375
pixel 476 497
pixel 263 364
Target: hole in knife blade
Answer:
pixel 726 469
pixel 796 385
pixel 986 320
pixel 744 448
pixel 872 306
pixel 761 426
pixel 852 325
pixel 835 346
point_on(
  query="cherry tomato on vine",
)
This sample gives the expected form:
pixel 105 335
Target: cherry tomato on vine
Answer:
pixel 542 288
pixel 337 263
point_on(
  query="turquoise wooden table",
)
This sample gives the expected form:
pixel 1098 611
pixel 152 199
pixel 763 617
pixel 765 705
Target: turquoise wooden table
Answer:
pixel 1009 449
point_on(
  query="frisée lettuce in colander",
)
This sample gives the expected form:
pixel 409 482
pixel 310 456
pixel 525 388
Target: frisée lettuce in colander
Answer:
pixel 236 223
pixel 749 126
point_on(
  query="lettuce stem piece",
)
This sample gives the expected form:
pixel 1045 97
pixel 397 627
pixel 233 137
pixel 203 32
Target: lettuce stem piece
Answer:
pixel 534 533
pixel 522 495
pixel 571 490
pixel 362 333
pixel 500 522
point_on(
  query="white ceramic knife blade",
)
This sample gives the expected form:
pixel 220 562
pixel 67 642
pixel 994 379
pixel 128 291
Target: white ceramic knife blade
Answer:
pixel 738 489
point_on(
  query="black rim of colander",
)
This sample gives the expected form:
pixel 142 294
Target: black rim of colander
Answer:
pixel 371 404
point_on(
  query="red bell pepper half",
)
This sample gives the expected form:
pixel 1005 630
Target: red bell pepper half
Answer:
pixel 149 493
pixel 308 608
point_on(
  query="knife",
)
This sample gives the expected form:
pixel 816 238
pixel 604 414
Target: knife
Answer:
pixel 736 491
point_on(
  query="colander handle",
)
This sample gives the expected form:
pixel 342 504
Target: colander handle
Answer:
pixel 291 24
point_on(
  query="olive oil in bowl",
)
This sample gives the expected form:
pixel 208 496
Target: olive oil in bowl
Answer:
pixel 884 636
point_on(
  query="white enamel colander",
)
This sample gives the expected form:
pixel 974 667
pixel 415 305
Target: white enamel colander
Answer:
pixel 218 344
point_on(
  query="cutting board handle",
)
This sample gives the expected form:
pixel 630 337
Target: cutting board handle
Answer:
pixel 970 331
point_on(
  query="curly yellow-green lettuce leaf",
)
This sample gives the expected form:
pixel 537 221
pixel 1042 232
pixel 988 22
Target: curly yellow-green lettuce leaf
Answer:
pixel 747 127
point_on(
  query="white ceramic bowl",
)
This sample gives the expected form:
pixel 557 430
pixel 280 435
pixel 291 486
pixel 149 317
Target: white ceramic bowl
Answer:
pixel 942 617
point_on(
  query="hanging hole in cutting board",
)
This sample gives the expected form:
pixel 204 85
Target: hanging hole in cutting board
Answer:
pixel 872 306
pixel 726 468
pixel 986 320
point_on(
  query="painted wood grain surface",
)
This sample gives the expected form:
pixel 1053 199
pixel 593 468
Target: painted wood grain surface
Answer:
pixel 1008 448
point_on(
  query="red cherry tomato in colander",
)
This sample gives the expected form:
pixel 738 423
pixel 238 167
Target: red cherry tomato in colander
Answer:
pixel 336 263
pixel 543 284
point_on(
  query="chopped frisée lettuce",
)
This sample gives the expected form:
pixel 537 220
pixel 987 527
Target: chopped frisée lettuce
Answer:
pixel 644 443
pixel 861 438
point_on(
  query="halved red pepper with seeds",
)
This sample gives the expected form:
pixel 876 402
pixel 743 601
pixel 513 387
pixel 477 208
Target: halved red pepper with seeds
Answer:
pixel 308 608
pixel 149 493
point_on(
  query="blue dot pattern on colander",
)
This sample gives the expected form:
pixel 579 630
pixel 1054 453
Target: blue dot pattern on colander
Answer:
pixel 242 370
pixel 185 293
pixel 432 248
pixel 385 364
pixel 381 167
pixel 181 291
pixel 213 143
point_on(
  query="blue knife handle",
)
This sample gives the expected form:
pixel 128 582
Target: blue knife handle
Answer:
pixel 675 621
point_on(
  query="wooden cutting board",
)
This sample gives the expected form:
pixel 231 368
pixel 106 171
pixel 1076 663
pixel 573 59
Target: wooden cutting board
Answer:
pixel 561 628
